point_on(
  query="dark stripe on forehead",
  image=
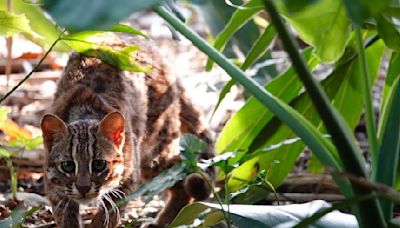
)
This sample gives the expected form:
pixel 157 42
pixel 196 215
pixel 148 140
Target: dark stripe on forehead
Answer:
pixel 71 142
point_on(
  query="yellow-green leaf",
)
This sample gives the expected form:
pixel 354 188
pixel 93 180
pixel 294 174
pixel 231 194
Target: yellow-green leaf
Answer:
pixel 11 24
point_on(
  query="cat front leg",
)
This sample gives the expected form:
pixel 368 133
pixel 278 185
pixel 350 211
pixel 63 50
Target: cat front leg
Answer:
pixel 66 213
pixel 109 214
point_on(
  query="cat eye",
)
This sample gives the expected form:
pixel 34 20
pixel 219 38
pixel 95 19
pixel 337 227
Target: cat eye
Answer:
pixel 98 165
pixel 68 166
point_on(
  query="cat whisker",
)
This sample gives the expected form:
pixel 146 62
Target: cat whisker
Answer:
pixel 106 221
pixel 66 206
pixel 118 193
pixel 58 205
pixel 113 206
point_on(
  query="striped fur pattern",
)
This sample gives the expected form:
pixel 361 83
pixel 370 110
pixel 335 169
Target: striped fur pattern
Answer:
pixel 109 130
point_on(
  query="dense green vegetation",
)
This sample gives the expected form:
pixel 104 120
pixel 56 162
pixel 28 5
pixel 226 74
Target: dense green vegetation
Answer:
pixel 275 125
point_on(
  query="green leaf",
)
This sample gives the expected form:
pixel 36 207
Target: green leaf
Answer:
pixel 243 127
pixel 307 222
pixel 392 74
pixel 238 20
pixel 11 24
pixel 356 11
pixel 39 23
pixel 319 25
pixel 76 15
pixel 191 147
pixel 127 29
pixel 89 43
pixel 260 47
pixel 158 184
pixel 344 82
pixel 293 6
pixel 5 153
pixel 34 143
pixel 208 214
pixel 390 146
pixel 389 31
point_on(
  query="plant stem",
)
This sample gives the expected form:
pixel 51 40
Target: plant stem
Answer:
pixel 369 111
pixel 32 71
pixel 370 211
pixel 227 216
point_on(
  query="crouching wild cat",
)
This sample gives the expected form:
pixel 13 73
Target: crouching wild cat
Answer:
pixel 110 130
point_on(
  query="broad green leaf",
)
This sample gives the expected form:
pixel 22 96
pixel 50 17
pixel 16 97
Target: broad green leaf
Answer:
pixel 390 146
pixel 260 47
pixel 389 30
pixel 257 51
pixel 238 19
pixel 314 165
pixel 323 25
pixel 127 29
pixel 360 10
pixel 79 15
pixel 308 222
pixel 90 43
pixel 293 6
pixel 11 24
pixel 158 184
pixel 392 74
pixel 217 14
pixel 191 147
pixel 356 11
pixel 39 23
pixel 243 127
pixel 209 214
pixel 344 82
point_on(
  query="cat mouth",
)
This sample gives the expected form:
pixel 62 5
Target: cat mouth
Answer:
pixel 87 199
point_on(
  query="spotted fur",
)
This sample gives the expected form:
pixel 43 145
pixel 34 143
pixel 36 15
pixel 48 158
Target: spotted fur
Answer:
pixel 131 122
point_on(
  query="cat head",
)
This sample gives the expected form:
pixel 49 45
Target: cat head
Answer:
pixel 85 158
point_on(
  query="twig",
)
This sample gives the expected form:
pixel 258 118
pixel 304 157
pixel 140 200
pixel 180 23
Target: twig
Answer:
pixel 382 190
pixel 33 70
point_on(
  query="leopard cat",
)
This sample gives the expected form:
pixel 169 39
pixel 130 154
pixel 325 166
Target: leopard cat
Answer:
pixel 109 130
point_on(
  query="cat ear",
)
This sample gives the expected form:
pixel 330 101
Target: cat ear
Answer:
pixel 112 126
pixel 53 129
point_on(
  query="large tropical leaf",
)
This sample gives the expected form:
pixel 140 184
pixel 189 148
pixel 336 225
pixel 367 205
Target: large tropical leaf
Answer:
pixel 324 25
pixel 389 30
pixel 11 24
pixel 208 214
pixel 243 127
pixel 39 23
pixel 343 83
pixel 93 14
pixel 238 20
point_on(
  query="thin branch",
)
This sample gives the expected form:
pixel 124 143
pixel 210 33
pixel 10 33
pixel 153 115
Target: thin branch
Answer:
pixel 33 70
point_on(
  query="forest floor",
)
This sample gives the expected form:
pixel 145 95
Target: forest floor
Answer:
pixel 32 99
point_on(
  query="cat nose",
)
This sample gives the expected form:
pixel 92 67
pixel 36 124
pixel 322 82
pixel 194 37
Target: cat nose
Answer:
pixel 83 189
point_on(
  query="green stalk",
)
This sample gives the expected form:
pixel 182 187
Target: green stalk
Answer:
pixel 369 112
pixel 370 213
